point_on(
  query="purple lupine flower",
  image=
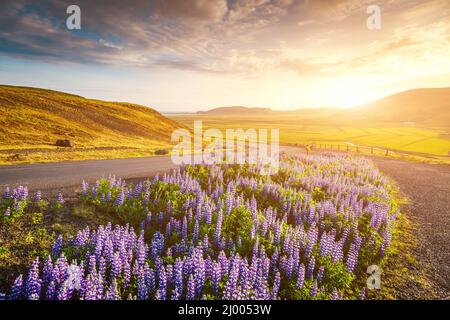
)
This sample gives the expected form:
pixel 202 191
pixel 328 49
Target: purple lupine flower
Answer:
pixel 311 266
pixel 102 267
pixel 33 282
pixel 47 271
pixel 205 244
pixel 126 275
pixel 190 287
pixel 320 273
pixel 142 251
pixel 51 291
pixel 301 276
pixel 216 276
pixel 8 212
pixel 63 292
pixel 168 229
pixel 60 198
pixel 231 290
pixel 116 266
pixel 142 289
pixel 157 244
pixel 314 289
pixel 57 246
pixel 223 261
pixel 150 278
pixel 23 193
pixel 218 228
pixel 289 267
pixel 177 280
pixel 38 196
pixel 7 193
pixel 162 289
pixel 335 294
pixel 184 229
pixel 362 295
pixel 260 287
pixel 60 270
pixel 84 188
pixel 199 270
pixel 276 285
pixel 99 284
pixel 17 289
pixel 352 258
pixel 113 293
pixel 196 232
pixel 89 289
pixel 120 199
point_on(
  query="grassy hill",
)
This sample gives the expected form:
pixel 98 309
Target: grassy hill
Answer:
pixel 429 107
pixel 32 119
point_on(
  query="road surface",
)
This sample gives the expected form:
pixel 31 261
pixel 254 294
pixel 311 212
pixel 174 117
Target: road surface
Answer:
pixel 50 176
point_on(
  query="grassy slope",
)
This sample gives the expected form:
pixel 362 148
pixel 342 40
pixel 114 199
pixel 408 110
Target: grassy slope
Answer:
pixel 34 119
pixel 424 106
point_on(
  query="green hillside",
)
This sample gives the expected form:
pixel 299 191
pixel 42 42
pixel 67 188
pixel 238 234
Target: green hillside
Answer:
pixel 32 120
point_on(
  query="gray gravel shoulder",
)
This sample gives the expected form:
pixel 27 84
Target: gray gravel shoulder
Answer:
pixel 427 189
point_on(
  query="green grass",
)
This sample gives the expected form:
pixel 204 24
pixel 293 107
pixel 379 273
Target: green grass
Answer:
pixel 301 131
pixel 31 120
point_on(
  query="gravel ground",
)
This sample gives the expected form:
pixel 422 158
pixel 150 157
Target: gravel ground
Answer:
pixel 427 188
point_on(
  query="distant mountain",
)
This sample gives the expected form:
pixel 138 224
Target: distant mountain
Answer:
pixel 237 111
pixel 249 111
pixel 33 116
pixel 422 106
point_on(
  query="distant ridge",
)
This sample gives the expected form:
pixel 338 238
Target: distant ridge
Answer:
pixel 237 110
pixel 428 106
pixel 255 111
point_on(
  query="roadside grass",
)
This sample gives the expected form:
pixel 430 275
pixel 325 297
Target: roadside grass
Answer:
pixel 64 154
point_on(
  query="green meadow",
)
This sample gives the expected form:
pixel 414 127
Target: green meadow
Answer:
pixel 408 138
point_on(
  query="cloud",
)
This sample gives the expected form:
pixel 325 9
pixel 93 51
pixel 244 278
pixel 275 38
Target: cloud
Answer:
pixel 145 31
pixel 250 37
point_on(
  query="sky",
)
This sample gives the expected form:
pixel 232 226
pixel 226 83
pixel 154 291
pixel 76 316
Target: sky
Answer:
pixel 190 55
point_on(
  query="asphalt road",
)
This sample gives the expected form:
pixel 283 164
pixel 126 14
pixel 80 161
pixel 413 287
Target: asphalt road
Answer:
pixel 50 176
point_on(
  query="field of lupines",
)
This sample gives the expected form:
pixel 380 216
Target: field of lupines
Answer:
pixel 221 232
